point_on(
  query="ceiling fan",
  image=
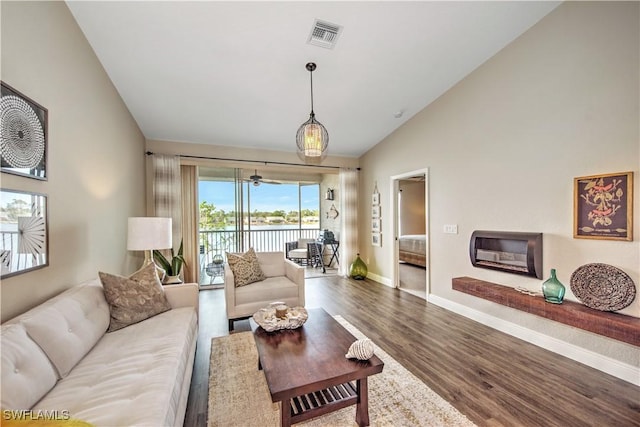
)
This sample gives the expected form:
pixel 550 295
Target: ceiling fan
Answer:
pixel 257 179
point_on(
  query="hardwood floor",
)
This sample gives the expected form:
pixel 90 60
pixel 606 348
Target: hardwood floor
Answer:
pixel 413 279
pixel 491 377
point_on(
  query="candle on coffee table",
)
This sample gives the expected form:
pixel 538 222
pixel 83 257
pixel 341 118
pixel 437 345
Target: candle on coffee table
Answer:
pixel 281 311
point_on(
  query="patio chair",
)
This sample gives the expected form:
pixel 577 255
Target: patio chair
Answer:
pixel 214 270
pixel 298 251
pixel 315 254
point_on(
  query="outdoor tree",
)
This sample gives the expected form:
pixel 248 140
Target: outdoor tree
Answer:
pixel 309 212
pixel 211 218
pixel 15 209
pixel 292 216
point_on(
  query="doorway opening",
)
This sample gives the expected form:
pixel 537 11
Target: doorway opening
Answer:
pixel 411 232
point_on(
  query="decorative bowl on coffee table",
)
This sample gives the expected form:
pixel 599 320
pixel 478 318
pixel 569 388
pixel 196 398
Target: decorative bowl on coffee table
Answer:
pixel 293 319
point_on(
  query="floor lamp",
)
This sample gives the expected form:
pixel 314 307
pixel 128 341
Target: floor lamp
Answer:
pixel 149 233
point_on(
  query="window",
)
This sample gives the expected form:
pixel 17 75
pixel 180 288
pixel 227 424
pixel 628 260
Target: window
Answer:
pixel 235 214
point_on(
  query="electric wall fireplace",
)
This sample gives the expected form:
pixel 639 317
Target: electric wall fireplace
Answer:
pixel 508 251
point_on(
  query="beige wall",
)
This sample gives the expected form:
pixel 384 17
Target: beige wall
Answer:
pixel 95 160
pixel 328 222
pixel 503 146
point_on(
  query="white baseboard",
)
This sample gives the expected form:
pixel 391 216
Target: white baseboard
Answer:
pixel 376 278
pixel 597 361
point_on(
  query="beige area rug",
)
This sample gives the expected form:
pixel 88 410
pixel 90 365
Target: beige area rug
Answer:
pixel 239 396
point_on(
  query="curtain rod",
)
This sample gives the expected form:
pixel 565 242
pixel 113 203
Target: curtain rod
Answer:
pixel 150 153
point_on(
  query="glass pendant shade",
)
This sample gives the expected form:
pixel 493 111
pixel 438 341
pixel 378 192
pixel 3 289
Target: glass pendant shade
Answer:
pixel 312 138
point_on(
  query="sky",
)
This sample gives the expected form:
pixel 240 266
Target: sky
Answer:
pixel 264 198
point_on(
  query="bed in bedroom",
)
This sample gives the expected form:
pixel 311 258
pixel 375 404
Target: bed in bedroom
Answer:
pixel 413 249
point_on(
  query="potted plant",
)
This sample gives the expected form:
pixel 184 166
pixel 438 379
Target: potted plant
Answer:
pixel 171 267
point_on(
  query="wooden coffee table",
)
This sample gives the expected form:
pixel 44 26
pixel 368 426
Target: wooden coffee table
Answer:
pixel 307 372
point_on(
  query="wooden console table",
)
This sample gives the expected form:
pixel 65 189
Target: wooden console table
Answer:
pixel 609 324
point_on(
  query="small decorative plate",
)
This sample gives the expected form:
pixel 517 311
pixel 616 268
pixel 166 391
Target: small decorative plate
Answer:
pixel 267 319
pixel 603 287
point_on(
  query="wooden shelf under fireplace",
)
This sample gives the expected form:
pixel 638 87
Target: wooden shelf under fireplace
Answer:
pixel 609 324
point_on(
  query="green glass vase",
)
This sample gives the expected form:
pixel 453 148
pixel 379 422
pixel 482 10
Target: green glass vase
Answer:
pixel 552 289
pixel 358 269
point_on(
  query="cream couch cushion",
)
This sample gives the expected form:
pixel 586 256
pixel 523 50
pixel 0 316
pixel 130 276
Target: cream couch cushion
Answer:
pixel 272 263
pixel 27 374
pixel 271 289
pixel 69 325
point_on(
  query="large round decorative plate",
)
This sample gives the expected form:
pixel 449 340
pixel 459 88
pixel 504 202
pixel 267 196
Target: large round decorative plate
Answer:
pixel 21 134
pixel 603 287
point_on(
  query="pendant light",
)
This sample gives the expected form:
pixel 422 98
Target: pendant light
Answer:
pixel 312 137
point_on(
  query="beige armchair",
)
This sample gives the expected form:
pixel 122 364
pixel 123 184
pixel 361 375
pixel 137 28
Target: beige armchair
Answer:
pixel 284 282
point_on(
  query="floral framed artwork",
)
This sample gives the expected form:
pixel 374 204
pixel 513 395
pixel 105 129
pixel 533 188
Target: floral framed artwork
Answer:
pixel 24 134
pixel 375 211
pixel 24 231
pixel 376 239
pixel 375 225
pixel 603 206
pixel 375 198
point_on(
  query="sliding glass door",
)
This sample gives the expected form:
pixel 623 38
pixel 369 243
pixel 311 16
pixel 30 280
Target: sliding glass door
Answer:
pixel 240 209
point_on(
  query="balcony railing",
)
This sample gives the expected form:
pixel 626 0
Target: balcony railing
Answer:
pixel 11 259
pixel 218 242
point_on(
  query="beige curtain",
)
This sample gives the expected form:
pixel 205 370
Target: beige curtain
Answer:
pixel 166 192
pixel 349 213
pixel 189 178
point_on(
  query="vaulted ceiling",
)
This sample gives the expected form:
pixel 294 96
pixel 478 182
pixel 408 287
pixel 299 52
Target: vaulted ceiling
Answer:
pixel 233 73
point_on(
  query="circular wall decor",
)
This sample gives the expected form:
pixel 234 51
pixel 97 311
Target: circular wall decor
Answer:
pixel 21 134
pixel 603 287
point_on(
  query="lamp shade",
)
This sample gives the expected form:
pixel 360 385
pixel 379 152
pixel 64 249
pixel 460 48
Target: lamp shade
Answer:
pixel 312 138
pixel 148 233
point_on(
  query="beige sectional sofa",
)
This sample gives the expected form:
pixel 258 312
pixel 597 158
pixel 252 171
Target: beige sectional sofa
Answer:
pixel 58 357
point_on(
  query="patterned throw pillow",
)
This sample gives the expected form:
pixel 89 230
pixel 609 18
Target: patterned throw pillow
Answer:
pixel 134 299
pixel 245 267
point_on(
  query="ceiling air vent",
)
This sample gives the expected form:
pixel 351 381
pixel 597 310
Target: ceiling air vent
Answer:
pixel 324 34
